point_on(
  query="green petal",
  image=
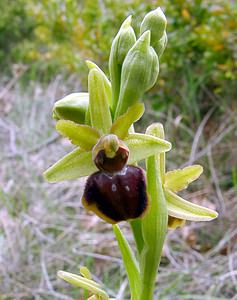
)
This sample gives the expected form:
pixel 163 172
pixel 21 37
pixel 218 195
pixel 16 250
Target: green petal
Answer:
pixel 99 102
pixel 121 126
pixel 142 146
pixel 178 180
pixel 77 163
pixel 81 135
pixel 182 209
pixel 72 107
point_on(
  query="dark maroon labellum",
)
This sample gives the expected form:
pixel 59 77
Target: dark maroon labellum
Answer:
pixel 118 197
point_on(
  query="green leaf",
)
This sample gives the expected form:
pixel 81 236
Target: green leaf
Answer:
pixel 130 263
pixel 178 180
pixel 72 107
pixel 84 283
pixel 121 126
pixel 99 102
pixel 182 209
pixel 142 146
pixel 81 135
pixel 76 164
pixel 136 226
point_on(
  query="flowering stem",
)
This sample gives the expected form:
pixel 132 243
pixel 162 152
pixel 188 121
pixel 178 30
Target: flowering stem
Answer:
pixel 154 226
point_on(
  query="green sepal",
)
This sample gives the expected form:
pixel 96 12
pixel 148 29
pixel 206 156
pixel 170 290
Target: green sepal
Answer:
pixel 107 84
pixel 178 180
pixel 75 164
pixel 73 107
pixel 142 146
pixel 121 126
pixel 99 102
pixel 183 209
pixel 84 283
pixel 83 136
pixel 130 263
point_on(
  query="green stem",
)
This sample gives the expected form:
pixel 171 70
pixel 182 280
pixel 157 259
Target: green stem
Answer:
pixel 154 225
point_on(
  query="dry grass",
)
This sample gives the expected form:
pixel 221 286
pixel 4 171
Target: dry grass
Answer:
pixel 43 227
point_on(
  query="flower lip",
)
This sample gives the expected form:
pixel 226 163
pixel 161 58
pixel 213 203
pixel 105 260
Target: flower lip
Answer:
pixel 110 154
pixel 118 197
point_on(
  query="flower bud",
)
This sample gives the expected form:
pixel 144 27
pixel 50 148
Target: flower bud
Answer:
pixel 156 22
pixel 139 73
pixel 110 154
pixel 73 107
pixel 160 45
pixel 119 197
pixel 122 43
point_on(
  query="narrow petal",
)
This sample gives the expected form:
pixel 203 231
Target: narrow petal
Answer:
pixel 121 126
pixel 183 209
pixel 142 146
pixel 83 136
pixel 77 163
pixel 178 180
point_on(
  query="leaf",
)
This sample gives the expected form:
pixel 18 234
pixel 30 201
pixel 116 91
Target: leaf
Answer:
pixel 84 283
pixel 99 101
pixel 72 107
pixel 121 126
pixel 183 209
pixel 142 146
pixel 130 263
pixel 81 135
pixel 76 164
pixel 178 180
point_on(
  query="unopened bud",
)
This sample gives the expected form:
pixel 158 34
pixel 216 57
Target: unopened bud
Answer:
pixel 122 43
pixel 156 22
pixel 139 73
pixel 73 107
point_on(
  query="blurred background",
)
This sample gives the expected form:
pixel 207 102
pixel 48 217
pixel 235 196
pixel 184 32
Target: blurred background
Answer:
pixel 43 227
